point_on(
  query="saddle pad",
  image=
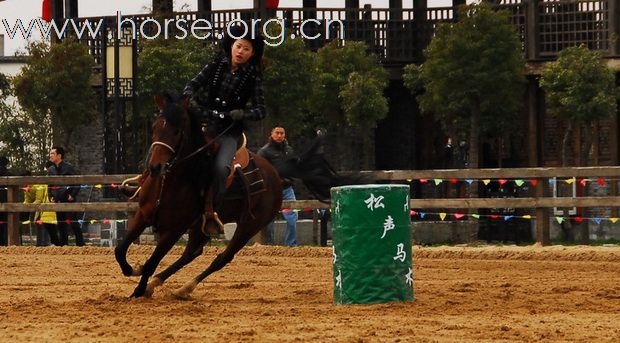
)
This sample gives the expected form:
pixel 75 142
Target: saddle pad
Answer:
pixel 236 186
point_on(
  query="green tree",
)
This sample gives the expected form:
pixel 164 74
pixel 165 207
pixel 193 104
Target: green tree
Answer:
pixel 336 95
pixel 167 65
pixel 473 75
pixel 25 139
pixel 348 98
pixel 56 82
pixel 580 89
pixel 288 78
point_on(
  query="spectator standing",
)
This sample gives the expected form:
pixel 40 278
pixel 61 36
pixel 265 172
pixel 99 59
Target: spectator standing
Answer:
pixel 275 151
pixel 45 221
pixel 64 194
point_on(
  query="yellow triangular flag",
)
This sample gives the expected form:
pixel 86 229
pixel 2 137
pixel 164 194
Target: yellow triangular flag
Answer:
pixel 26 222
pixel 98 186
pixel 442 215
pixel 92 221
pixel 571 180
pixel 613 220
pixel 486 181
pixel 527 216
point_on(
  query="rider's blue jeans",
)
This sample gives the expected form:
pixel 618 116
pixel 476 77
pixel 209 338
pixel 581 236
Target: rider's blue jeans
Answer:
pixel 290 233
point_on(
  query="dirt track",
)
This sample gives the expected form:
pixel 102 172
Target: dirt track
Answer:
pixel 278 294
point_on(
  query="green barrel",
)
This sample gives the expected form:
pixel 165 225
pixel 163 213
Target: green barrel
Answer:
pixel 371 244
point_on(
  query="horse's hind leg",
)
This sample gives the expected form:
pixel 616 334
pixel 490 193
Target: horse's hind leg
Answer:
pixel 196 241
pixel 136 227
pixel 241 237
pixel 164 244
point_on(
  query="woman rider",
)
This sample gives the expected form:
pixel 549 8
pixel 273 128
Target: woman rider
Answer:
pixel 230 81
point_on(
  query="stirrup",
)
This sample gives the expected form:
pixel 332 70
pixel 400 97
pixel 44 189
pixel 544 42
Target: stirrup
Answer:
pixel 212 225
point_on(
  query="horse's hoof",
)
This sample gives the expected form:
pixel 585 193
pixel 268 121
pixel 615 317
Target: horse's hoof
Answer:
pixel 150 287
pixel 185 291
pixel 136 294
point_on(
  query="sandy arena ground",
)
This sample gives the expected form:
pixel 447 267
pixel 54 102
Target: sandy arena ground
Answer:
pixel 462 294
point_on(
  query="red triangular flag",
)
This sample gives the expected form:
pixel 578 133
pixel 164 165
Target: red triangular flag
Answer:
pixel 46 13
pixel 534 182
pixel 600 181
pixel 502 182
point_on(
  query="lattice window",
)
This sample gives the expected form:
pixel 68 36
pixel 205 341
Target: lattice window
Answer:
pixel 572 23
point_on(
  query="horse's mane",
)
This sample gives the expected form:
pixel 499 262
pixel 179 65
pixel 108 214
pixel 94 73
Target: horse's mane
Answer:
pixel 173 113
pixel 174 109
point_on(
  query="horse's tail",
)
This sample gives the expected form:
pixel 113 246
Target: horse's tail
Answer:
pixel 316 173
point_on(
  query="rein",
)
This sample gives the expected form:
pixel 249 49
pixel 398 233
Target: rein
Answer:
pixel 203 147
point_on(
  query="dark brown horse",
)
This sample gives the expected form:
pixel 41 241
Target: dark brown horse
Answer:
pixel 172 195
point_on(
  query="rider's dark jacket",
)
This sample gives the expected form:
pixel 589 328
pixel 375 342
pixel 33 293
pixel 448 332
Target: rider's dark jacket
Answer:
pixel 277 153
pixel 223 91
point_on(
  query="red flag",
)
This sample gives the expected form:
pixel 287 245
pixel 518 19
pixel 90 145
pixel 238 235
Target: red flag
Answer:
pixel 273 4
pixel 47 10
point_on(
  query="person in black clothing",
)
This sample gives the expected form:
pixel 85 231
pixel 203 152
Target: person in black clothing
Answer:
pixel 277 150
pixel 60 194
pixel 220 93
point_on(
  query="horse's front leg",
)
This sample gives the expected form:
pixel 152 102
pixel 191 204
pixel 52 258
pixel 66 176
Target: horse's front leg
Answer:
pixel 164 244
pixel 196 241
pixel 242 235
pixel 136 226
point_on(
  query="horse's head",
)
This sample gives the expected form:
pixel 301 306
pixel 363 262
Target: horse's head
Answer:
pixel 170 131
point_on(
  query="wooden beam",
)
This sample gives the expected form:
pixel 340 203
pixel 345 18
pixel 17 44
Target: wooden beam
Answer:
pixel 543 202
pixel 380 175
pixel 496 173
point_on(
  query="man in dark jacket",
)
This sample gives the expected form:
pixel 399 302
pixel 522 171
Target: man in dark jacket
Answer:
pixel 276 151
pixel 62 194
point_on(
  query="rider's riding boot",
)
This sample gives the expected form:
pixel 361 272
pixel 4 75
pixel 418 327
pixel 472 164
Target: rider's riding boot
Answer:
pixel 212 224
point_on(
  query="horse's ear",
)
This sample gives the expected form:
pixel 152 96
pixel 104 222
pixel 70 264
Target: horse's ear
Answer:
pixel 160 102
